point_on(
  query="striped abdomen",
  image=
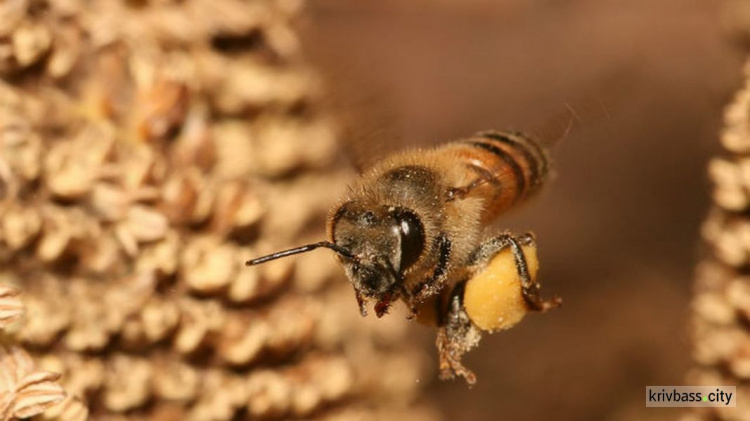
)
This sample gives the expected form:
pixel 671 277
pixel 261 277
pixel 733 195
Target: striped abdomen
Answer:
pixel 508 167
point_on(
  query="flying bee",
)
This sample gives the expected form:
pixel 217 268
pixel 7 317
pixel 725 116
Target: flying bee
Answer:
pixel 414 228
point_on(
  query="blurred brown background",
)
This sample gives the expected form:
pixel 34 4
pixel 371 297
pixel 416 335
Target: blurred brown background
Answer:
pixel 618 227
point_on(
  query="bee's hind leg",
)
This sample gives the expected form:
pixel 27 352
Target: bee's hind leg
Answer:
pixel 530 288
pixel 456 336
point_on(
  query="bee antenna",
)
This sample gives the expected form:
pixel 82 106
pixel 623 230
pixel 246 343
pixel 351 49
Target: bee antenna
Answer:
pixel 297 250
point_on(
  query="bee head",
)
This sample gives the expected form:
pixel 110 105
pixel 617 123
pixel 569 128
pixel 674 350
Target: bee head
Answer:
pixel 383 243
pixel 376 246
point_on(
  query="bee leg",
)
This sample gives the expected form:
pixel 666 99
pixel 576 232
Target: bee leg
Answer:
pixel 361 303
pixel 463 191
pixel 483 178
pixel 435 283
pixel 530 289
pixel 411 301
pixel 456 336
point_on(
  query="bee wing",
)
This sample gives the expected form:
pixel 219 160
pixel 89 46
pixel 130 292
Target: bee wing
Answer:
pixel 362 148
pixel 367 117
pixel 591 108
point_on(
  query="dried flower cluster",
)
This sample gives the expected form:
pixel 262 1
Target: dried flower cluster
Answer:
pixel 147 148
pixel 721 305
pixel 26 390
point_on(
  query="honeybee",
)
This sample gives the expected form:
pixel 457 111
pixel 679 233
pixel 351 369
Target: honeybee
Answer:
pixel 413 228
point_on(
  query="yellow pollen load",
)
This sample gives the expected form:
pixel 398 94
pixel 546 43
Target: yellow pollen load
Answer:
pixel 493 297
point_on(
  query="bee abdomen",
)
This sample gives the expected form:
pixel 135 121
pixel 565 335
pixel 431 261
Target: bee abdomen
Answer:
pixel 512 166
pixel 533 159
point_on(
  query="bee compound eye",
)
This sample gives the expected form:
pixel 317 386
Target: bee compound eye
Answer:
pixel 411 231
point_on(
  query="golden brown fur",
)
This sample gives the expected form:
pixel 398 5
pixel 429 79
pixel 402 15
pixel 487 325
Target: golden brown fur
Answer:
pixel 454 190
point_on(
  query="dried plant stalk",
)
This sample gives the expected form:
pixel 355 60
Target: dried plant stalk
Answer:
pixel 721 304
pixel 148 148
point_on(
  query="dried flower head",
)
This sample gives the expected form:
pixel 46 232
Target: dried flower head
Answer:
pixel 24 390
pixel 721 304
